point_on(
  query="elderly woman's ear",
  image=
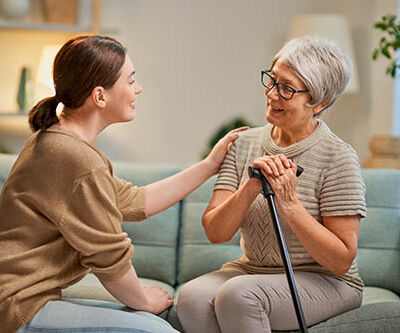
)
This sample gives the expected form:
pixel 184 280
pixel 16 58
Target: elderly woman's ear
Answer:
pixel 318 108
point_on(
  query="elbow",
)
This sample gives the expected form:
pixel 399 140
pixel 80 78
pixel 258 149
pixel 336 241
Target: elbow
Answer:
pixel 342 267
pixel 215 239
pixel 339 271
pixel 213 235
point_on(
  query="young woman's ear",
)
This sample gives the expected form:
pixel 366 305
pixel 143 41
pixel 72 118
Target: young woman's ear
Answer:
pixel 99 97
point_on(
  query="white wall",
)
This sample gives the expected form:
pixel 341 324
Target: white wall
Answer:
pixel 199 65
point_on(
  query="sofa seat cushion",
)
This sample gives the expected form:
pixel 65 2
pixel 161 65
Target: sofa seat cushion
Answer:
pixel 91 288
pixel 378 295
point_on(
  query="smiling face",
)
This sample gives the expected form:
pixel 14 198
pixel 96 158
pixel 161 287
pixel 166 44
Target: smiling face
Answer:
pixel 123 94
pixel 292 115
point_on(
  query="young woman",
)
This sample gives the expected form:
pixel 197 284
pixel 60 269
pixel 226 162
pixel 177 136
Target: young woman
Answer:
pixel 61 207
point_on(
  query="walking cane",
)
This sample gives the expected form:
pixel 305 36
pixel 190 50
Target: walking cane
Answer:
pixel 269 195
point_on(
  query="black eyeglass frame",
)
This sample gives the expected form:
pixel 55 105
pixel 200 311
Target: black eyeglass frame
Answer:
pixel 278 85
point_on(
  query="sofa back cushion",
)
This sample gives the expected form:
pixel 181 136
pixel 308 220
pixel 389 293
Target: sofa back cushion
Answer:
pixel 6 163
pixel 155 240
pixel 197 256
pixel 378 255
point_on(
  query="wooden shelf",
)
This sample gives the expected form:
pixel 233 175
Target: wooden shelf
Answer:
pixel 9 24
pixel 87 20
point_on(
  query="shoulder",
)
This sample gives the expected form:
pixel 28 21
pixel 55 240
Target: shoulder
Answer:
pixel 69 153
pixel 338 148
pixel 249 138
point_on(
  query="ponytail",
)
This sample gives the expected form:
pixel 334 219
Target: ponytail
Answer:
pixel 43 114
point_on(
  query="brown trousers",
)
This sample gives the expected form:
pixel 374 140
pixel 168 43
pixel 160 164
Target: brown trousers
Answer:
pixel 232 301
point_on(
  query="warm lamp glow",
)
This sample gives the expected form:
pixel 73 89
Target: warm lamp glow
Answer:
pixel 44 77
pixel 332 27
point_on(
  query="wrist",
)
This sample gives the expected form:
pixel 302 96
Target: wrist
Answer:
pixel 211 165
pixel 253 185
pixel 293 209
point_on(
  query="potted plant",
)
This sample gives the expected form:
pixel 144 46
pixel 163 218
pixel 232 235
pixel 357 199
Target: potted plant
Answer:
pixel 385 149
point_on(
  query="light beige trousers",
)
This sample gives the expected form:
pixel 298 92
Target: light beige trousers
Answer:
pixel 232 301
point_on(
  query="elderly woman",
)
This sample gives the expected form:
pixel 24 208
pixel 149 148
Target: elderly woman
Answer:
pixel 320 212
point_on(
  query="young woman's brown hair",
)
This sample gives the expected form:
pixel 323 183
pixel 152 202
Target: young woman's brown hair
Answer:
pixel 78 68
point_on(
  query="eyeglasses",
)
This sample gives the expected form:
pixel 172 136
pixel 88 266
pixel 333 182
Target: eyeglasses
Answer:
pixel 284 90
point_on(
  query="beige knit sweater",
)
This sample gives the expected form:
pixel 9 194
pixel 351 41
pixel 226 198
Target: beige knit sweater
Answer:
pixel 61 210
pixel 331 185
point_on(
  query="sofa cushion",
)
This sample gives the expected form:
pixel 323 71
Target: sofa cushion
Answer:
pixel 371 318
pixel 378 255
pixel 378 295
pixel 155 240
pixel 6 163
pixel 197 256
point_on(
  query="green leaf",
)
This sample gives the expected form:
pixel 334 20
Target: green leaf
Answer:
pixel 375 54
pixel 393 71
pixel 386 53
pixel 381 26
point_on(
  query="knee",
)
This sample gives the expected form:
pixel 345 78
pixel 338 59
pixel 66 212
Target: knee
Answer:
pixel 236 295
pixel 192 297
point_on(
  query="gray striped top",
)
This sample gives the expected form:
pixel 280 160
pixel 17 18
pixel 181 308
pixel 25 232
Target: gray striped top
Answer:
pixel 330 185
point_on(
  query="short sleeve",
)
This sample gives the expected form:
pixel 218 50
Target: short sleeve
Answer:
pixel 131 200
pixel 91 223
pixel 228 178
pixel 343 189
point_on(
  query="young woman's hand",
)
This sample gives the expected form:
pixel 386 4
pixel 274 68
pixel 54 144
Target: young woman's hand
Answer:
pixel 158 299
pixel 217 154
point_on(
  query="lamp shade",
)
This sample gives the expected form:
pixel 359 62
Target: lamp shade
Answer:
pixel 332 27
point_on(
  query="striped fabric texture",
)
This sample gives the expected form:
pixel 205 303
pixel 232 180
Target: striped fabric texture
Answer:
pixel 330 185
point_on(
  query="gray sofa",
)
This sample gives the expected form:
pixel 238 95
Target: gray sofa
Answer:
pixel 171 249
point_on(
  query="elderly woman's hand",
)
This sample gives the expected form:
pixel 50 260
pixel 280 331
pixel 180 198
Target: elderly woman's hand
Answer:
pixel 281 174
pixel 218 153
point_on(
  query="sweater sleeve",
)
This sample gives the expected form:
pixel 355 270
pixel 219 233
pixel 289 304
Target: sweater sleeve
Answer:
pixel 131 200
pixel 343 189
pixel 91 224
pixel 228 178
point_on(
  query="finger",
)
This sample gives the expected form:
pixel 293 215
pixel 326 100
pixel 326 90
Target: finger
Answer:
pixel 293 166
pixel 260 164
pixel 285 161
pixel 273 167
pixel 279 165
pixel 230 137
pixel 240 129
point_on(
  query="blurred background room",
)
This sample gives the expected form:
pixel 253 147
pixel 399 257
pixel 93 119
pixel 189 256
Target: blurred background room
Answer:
pixel 199 64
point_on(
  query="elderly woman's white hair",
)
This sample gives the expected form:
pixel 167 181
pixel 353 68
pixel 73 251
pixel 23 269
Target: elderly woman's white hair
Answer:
pixel 321 65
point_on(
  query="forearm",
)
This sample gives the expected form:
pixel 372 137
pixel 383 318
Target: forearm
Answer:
pixel 165 193
pixel 223 221
pixel 128 291
pixel 323 245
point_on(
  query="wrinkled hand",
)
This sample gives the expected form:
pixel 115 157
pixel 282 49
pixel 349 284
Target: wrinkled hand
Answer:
pixel 281 175
pixel 158 299
pixel 219 151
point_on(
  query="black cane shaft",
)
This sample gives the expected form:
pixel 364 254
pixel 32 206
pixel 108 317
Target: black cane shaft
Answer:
pixel 269 195
pixel 287 264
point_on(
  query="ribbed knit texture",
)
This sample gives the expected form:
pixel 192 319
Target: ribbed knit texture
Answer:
pixel 330 185
pixel 61 210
